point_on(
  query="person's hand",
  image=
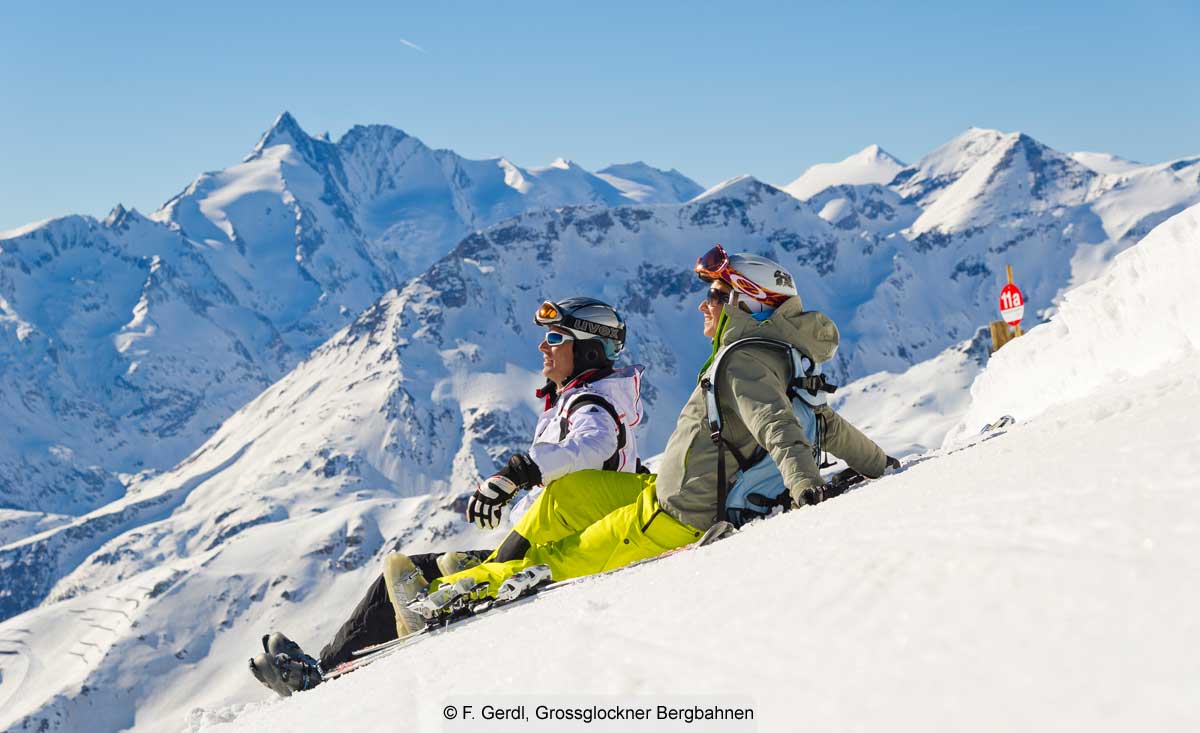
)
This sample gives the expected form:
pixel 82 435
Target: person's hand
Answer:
pixel 486 506
pixel 808 497
pixel 522 471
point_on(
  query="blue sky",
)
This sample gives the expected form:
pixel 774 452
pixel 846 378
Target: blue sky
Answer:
pixel 127 102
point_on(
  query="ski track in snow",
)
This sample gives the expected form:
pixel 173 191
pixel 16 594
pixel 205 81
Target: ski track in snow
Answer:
pixel 1031 581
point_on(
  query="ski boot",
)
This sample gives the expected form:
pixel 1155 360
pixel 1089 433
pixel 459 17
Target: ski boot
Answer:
pixel 405 583
pixel 447 599
pixel 284 667
pixel 450 563
pixel 523 583
pixel 1003 422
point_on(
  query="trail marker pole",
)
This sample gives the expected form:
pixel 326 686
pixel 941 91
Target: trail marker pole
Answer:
pixel 1012 310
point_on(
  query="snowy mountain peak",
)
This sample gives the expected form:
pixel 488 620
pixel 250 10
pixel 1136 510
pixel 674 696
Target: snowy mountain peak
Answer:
pixel 646 184
pixel 946 164
pixel 737 186
pixel 120 218
pixel 375 137
pixel 991 176
pixel 115 217
pixel 872 164
pixel 284 131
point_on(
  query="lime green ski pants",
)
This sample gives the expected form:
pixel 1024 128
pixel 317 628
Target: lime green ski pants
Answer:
pixel 578 527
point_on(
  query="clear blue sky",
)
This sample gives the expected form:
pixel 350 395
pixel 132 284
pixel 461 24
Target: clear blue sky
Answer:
pixel 106 102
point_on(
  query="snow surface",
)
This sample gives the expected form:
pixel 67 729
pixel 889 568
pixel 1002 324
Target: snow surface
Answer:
pixel 1105 162
pixel 911 412
pixel 872 164
pixel 1107 334
pixel 649 185
pixel 1033 581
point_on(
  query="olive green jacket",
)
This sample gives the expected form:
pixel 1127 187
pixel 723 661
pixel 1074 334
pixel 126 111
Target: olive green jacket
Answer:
pixel 756 411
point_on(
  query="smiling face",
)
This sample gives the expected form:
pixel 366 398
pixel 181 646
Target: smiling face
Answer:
pixel 558 362
pixel 712 308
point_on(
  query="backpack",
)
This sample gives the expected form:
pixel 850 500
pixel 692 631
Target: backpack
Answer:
pixel 758 487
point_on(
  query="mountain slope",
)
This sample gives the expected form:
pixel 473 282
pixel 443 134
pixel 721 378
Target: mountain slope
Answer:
pixel 127 342
pixel 872 164
pixel 1107 334
pixel 648 185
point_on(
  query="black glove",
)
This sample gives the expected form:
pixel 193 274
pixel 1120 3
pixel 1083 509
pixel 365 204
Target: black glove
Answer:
pixel 892 463
pixel 522 471
pixel 486 505
pixel 810 496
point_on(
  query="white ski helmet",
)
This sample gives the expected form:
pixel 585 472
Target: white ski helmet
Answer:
pixel 763 281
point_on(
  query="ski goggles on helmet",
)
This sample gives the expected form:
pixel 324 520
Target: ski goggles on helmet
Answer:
pixel 715 265
pixel 557 338
pixel 551 314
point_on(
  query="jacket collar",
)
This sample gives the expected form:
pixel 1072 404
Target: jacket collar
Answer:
pixel 550 391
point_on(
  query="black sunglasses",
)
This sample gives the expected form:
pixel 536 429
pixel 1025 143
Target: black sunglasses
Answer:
pixel 720 297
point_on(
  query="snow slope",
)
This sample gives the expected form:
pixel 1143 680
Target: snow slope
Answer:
pixel 1035 581
pixel 648 185
pixel 1107 335
pixel 872 164
pixel 1105 162
pixel 912 411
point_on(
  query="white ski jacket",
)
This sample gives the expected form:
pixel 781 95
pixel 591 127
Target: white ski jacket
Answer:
pixel 586 437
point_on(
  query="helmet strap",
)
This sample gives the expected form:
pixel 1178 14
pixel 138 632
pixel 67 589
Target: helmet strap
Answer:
pixel 589 354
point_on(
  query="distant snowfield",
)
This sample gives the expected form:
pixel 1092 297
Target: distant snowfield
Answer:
pixel 1034 581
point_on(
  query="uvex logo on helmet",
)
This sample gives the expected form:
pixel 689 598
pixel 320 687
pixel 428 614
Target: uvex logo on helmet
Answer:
pixel 597 329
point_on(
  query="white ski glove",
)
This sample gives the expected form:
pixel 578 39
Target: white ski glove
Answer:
pixel 486 505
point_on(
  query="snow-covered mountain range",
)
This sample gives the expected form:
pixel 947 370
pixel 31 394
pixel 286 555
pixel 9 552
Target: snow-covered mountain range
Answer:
pixel 124 343
pixel 1026 564
pixel 130 342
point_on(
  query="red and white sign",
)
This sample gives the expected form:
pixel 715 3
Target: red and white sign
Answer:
pixel 1012 305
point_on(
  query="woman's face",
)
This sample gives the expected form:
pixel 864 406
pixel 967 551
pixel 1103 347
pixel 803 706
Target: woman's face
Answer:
pixel 714 301
pixel 558 362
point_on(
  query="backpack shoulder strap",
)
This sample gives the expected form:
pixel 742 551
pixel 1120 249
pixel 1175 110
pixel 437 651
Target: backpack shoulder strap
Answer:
pixel 803 379
pixel 613 462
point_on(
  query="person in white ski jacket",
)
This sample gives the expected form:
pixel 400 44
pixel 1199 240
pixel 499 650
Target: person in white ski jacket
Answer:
pixel 591 410
pixel 575 436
